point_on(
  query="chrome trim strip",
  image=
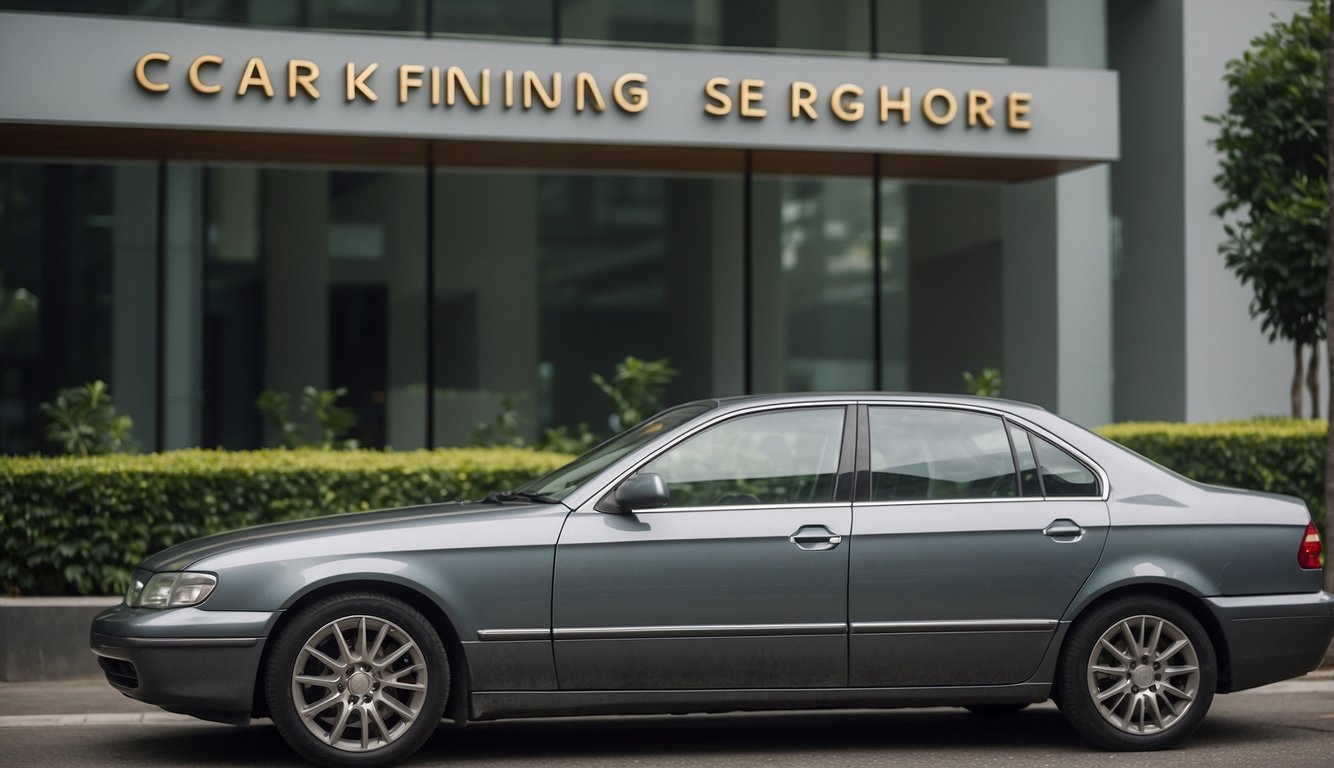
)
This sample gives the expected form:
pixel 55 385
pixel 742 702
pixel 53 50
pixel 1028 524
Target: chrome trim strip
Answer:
pixel 987 500
pixel 736 507
pixel 699 630
pixel 513 634
pixel 984 625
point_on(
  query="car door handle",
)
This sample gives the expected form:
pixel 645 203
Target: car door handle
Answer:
pixel 1063 530
pixel 815 538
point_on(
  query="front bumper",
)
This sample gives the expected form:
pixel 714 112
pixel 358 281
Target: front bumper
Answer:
pixel 186 660
pixel 1272 637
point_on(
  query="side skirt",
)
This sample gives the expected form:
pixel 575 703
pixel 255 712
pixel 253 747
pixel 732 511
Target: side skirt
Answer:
pixel 495 705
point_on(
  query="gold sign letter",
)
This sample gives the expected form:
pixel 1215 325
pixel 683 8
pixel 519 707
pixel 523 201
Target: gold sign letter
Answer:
pixel 586 85
pixel 409 76
pixel 301 72
pixel 533 84
pixel 356 83
pixel 634 98
pixel 929 109
pixel 255 74
pixel 1018 108
pixel 902 105
pixel 456 80
pixel 142 78
pixel 803 97
pixel 198 84
pixel 979 109
pixel 845 109
pixel 720 104
pixel 752 93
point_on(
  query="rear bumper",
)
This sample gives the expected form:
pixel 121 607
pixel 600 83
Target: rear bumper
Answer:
pixel 1272 637
pixel 186 671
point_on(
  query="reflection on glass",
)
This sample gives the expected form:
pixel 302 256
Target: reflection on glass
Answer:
pixel 331 298
pixel 812 284
pixel 511 19
pixel 919 454
pixel 783 457
pixel 158 8
pixel 545 278
pixel 78 281
pixel 391 16
pixel 830 26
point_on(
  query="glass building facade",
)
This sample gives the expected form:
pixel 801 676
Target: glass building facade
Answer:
pixel 437 286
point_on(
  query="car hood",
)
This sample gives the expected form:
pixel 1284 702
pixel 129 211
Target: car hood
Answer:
pixel 357 524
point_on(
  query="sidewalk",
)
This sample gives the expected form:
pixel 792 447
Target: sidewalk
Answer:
pixel 92 701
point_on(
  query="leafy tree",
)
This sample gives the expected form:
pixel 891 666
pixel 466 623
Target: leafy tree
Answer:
pixel 1329 311
pixel 636 388
pixel 83 421
pixel 1273 172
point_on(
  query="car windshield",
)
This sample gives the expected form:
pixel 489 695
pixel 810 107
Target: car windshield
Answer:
pixel 561 482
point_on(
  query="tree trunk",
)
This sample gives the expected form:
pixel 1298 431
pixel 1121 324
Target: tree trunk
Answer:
pixel 1313 379
pixel 1295 392
pixel 1329 310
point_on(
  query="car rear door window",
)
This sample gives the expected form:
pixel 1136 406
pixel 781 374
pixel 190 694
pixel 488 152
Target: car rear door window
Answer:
pixel 927 454
pixel 1062 474
pixel 1028 466
pixel 775 457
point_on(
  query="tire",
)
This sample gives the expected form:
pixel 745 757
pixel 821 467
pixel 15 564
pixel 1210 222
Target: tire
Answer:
pixel 1137 673
pixel 370 674
pixel 995 710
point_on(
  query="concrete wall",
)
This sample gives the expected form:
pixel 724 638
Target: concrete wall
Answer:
pixel 1186 346
pixel 1232 371
pixel 46 638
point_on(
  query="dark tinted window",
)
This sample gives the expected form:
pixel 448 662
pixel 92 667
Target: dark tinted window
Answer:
pixel 776 457
pixel 919 454
pixel 1062 474
pixel 1028 466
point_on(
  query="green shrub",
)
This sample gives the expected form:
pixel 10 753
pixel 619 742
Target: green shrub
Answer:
pixel 1276 455
pixel 74 525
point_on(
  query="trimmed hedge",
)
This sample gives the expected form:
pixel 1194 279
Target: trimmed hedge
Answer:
pixel 78 526
pixel 1276 455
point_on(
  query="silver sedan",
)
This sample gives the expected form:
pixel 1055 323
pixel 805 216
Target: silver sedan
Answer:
pixel 755 553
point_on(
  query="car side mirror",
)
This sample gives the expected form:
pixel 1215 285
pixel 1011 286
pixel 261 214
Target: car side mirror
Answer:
pixel 645 490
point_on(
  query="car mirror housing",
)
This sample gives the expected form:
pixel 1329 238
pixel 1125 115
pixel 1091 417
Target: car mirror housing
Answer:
pixel 645 490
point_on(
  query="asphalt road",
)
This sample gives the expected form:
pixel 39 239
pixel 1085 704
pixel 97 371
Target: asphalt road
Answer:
pixel 1289 725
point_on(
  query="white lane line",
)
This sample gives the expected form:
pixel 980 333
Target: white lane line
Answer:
pixel 140 718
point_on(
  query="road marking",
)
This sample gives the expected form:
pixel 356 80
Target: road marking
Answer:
pixel 140 718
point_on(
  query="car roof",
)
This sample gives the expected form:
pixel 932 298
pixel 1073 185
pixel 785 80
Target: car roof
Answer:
pixel 878 397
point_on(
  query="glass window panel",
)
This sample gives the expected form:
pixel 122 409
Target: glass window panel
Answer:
pixel 388 16
pixel 78 284
pixel 829 26
pixel 812 284
pixel 920 454
pixel 543 279
pixel 158 8
pixel 971 30
pixel 1028 466
pixel 315 278
pixel 1063 474
pixel 512 19
pixel 787 457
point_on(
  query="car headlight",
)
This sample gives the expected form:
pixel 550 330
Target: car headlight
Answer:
pixel 170 590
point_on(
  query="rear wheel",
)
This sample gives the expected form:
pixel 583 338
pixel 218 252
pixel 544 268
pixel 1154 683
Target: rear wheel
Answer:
pixel 1137 673
pixel 357 679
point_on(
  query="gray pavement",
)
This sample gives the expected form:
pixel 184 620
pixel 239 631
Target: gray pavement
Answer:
pixel 79 723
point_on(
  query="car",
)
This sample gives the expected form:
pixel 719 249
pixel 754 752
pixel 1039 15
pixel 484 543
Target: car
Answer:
pixel 775 552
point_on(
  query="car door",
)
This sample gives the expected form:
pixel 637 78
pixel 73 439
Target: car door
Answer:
pixel 961 566
pixel 740 581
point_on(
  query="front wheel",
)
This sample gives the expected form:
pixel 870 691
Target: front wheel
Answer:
pixel 357 679
pixel 1137 673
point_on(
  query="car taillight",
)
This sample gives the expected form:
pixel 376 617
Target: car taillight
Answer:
pixel 1308 554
